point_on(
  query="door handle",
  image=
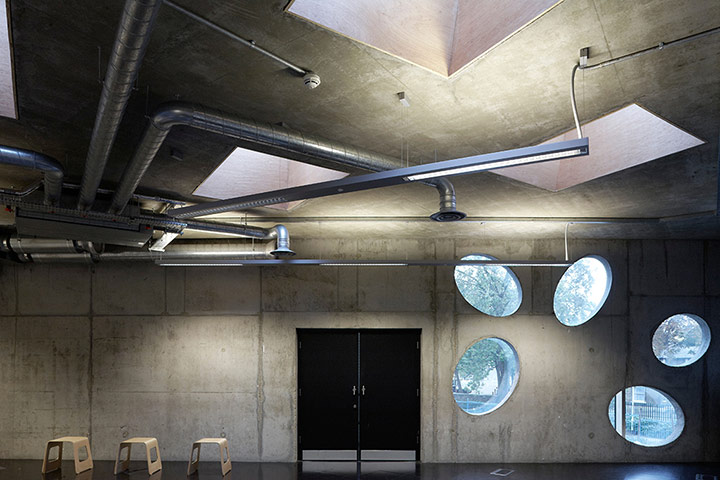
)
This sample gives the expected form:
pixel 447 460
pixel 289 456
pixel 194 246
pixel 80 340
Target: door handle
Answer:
pixel 354 390
pixel 363 390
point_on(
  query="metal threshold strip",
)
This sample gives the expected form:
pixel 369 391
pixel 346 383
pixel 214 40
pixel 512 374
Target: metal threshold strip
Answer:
pixel 360 263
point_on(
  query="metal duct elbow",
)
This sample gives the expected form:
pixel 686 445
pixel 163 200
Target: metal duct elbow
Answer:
pixel 132 38
pixel 267 135
pixel 51 169
pixel 448 208
pixel 282 241
pixel 278 139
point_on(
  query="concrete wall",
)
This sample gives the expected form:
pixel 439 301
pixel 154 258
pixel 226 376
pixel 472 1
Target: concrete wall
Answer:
pixel 122 350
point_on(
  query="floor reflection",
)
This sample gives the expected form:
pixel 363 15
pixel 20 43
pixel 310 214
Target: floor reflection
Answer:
pixel 30 469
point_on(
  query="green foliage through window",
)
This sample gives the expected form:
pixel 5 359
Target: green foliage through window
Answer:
pixel 485 376
pixel 582 290
pixel 681 340
pixel 652 418
pixel 492 289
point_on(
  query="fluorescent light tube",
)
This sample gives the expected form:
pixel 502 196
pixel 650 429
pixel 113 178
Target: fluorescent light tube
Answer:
pixel 496 164
pixel 169 264
pixel 364 264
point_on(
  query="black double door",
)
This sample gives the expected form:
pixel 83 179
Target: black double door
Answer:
pixel 358 394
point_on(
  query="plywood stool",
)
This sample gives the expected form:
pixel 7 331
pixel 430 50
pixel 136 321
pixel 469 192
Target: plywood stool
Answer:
pixel 224 455
pixel 149 443
pixel 77 444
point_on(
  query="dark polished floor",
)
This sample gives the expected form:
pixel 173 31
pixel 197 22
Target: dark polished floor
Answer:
pixel 30 469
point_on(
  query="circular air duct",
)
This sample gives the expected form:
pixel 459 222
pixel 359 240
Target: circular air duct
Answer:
pixel 448 216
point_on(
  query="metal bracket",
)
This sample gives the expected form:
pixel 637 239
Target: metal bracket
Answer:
pixel 584 55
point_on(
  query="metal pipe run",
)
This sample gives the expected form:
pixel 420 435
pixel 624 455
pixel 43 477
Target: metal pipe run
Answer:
pixel 237 38
pixel 659 46
pixel 51 169
pixel 314 149
pixel 359 263
pixel 133 35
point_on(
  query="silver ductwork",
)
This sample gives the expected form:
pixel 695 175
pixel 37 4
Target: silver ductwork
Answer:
pixel 278 233
pixel 41 250
pixel 51 168
pixel 27 250
pixel 196 251
pixel 448 206
pixel 278 139
pixel 317 150
pixel 282 241
pixel 132 38
pixel 84 257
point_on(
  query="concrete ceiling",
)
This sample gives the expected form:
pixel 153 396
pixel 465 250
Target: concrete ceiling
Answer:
pixel 516 95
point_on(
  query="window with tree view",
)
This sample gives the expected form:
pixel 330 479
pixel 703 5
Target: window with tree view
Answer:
pixel 646 416
pixel 681 340
pixel 485 376
pixel 582 290
pixel 492 289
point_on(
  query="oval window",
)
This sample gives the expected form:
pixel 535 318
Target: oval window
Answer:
pixel 681 340
pixel 485 376
pixel 582 290
pixel 652 417
pixel 492 289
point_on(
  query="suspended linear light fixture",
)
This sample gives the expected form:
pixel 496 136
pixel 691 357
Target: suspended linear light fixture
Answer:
pixel 458 166
pixel 494 164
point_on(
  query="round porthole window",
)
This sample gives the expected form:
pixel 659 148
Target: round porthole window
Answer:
pixel 485 376
pixel 681 340
pixel 582 290
pixel 492 289
pixel 652 418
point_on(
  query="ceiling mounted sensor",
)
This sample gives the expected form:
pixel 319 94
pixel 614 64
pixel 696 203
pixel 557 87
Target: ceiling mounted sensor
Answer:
pixel 312 80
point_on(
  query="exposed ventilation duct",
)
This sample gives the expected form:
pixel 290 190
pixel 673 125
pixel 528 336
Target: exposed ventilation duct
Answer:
pixel 45 250
pixel 132 38
pixel 278 233
pixel 37 220
pixel 448 208
pixel 26 250
pixel 282 241
pixel 196 251
pixel 51 168
pixel 278 139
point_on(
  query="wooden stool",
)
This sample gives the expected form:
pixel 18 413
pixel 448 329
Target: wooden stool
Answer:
pixel 224 454
pixel 149 443
pixel 77 443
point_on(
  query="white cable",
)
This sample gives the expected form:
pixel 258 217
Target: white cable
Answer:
pixel 572 100
pixel 567 255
